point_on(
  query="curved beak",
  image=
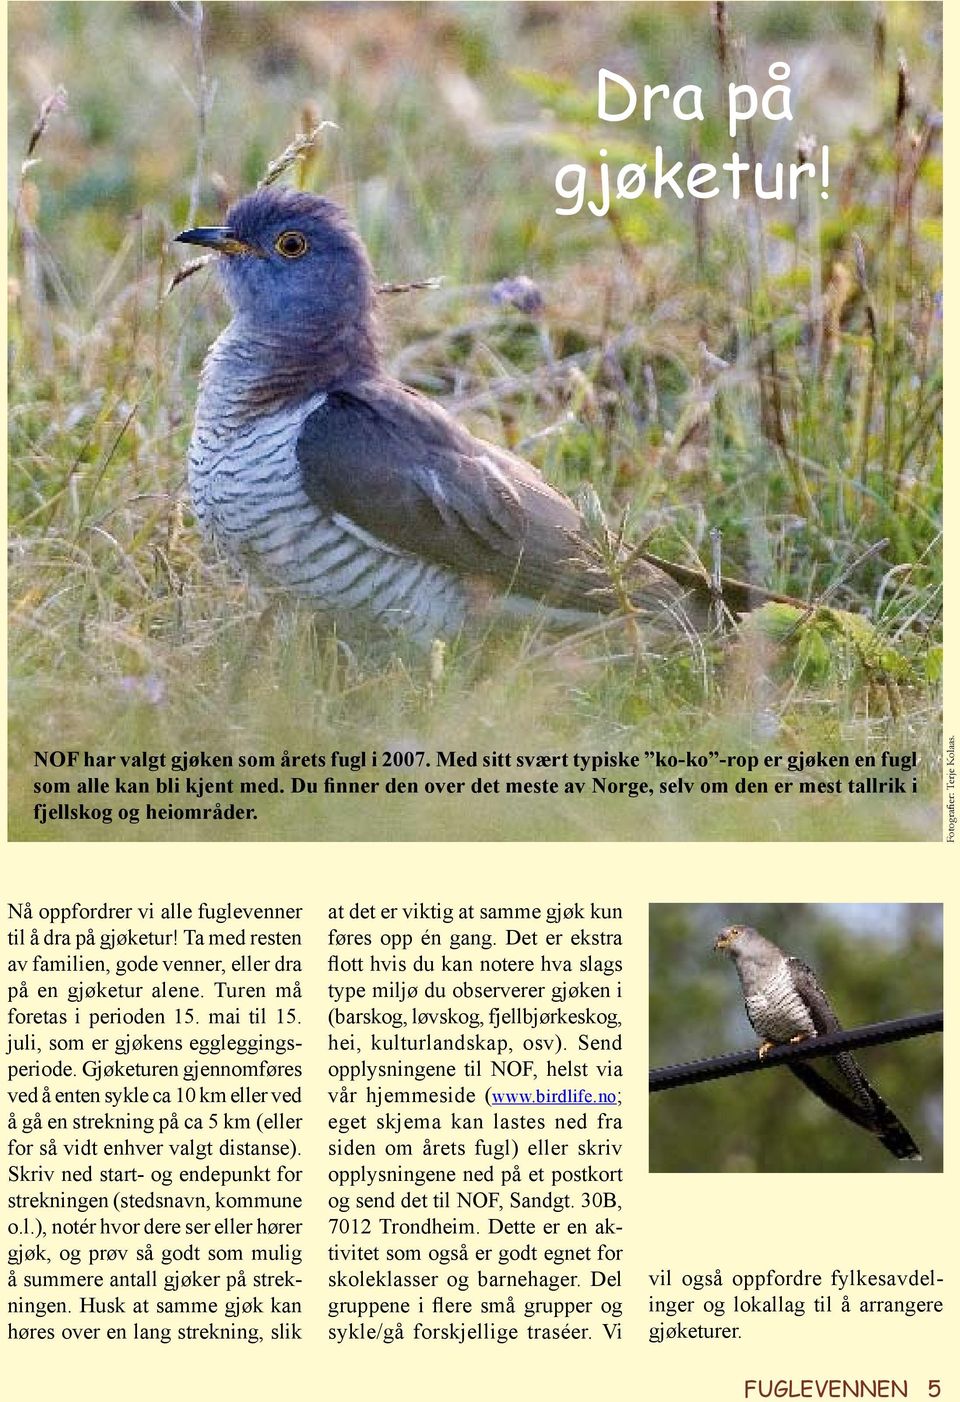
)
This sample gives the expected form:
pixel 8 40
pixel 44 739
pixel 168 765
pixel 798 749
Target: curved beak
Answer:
pixel 219 238
pixel 723 939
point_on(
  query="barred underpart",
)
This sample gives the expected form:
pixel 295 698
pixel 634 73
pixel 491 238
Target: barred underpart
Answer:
pixel 248 494
pixel 777 1011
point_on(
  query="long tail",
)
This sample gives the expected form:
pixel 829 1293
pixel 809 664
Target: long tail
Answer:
pixel 739 596
pixel 893 1133
pixel 867 1109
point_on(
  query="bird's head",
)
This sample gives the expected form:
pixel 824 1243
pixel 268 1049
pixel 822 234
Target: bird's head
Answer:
pixel 290 261
pixel 727 939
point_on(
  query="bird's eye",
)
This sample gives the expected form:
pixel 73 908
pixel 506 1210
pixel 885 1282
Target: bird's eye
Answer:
pixel 291 244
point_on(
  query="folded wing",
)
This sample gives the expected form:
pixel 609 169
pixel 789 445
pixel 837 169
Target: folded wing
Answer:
pixel 401 469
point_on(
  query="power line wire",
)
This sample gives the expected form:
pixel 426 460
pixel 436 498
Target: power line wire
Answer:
pixel 737 1063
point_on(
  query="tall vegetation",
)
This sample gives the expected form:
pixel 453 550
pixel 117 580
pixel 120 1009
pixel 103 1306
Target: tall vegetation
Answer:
pixel 766 381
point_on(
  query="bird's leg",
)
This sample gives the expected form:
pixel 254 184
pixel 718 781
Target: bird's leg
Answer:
pixel 768 1046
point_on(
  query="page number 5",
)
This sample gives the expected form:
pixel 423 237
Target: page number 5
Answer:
pixel 933 1387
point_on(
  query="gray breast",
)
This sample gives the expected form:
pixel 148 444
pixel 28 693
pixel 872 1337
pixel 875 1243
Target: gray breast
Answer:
pixel 776 1010
pixel 248 493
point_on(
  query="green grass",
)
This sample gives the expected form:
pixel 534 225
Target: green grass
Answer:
pixel 820 438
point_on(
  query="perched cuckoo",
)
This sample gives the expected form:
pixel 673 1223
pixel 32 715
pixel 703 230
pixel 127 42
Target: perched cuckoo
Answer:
pixel 785 1003
pixel 311 466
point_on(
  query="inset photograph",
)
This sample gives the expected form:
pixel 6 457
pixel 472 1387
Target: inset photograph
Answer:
pixel 796 1038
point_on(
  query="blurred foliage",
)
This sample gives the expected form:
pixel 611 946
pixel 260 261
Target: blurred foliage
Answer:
pixel 874 962
pixel 778 378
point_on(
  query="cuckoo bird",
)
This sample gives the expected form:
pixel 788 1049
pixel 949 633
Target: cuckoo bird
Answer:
pixel 324 476
pixel 785 1003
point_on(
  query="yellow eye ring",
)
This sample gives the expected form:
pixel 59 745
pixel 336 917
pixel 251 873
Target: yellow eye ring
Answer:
pixel 291 244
